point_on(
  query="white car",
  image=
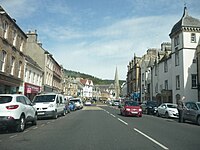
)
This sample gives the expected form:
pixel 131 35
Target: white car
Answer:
pixel 168 110
pixel 78 102
pixel 88 103
pixel 15 111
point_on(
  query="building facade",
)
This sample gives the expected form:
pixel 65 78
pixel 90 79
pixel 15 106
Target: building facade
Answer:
pixel 133 78
pixel 12 47
pixel 184 39
pixel 33 76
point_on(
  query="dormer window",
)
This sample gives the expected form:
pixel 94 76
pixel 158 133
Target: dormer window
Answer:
pixel 193 38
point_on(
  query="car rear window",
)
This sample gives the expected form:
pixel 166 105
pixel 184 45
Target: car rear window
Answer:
pixel 44 98
pixel 131 103
pixel 75 100
pixel 5 99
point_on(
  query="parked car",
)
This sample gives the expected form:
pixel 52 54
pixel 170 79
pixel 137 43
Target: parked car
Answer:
pixel 149 107
pixel 50 105
pixel 72 106
pixel 192 112
pixel 78 102
pixel 115 102
pixel 168 110
pixel 88 103
pixel 15 111
pixel 130 108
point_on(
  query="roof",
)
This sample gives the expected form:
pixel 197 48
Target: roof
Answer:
pixel 185 21
pixel 86 82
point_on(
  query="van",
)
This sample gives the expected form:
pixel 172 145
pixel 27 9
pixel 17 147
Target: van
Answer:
pixel 50 105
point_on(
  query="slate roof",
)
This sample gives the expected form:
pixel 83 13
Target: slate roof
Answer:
pixel 185 21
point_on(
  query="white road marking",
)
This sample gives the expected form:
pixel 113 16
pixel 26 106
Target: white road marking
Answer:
pixel 122 121
pixel 35 128
pixel 164 147
pixel 113 115
pixel 13 136
pixel 26 131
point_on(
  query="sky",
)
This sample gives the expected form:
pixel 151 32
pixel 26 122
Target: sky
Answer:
pixel 97 36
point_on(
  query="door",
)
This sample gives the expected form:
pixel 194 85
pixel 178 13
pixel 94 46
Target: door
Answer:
pixel 30 110
pixel 193 111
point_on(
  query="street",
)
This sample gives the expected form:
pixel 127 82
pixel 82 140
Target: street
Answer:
pixel 102 128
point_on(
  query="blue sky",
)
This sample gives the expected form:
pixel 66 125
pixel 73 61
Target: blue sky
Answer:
pixel 96 36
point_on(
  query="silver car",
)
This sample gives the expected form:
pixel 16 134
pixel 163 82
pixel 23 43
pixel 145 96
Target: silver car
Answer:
pixel 192 112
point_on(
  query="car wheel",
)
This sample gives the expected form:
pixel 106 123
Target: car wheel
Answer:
pixel 120 113
pixel 55 115
pixel 21 124
pixel 157 114
pixel 64 112
pixel 166 115
pixel 34 122
pixel 198 120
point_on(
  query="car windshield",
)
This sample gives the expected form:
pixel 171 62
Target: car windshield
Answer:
pixel 131 103
pixel 5 99
pixel 44 98
pixel 151 103
pixel 171 106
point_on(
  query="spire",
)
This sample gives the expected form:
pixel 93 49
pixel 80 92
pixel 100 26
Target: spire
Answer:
pixel 185 12
pixel 116 84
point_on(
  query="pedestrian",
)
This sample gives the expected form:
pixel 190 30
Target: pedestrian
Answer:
pixel 180 108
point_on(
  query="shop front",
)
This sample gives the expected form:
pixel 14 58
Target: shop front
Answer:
pixel 31 90
pixel 9 84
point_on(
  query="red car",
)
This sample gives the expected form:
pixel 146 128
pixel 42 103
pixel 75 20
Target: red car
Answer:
pixel 131 108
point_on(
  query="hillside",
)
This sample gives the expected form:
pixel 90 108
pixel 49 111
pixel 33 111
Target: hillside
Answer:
pixel 90 77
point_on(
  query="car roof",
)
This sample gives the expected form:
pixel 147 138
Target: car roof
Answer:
pixel 47 94
pixel 11 95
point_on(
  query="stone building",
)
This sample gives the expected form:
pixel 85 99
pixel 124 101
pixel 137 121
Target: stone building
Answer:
pixel 12 48
pixel 53 74
pixel 133 78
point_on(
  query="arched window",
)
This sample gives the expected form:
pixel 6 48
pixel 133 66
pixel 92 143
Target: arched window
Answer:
pixel 2 60
pixel 12 63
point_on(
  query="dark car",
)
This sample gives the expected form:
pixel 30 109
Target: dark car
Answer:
pixel 192 112
pixel 130 108
pixel 149 107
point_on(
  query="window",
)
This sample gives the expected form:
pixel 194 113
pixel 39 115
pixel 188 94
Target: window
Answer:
pixel 177 82
pixel 165 66
pixel 194 80
pixel 176 41
pixel 156 70
pixel 20 69
pixel 12 65
pixel 2 61
pixel 14 37
pixel 22 44
pixel 5 29
pixel 156 88
pixel 142 76
pixel 193 38
pixel 176 57
pixel 166 84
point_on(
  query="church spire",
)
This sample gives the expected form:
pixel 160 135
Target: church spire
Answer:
pixel 116 84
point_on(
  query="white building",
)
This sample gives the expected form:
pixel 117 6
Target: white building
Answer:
pixel 87 88
pixel 184 39
pixel 33 76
